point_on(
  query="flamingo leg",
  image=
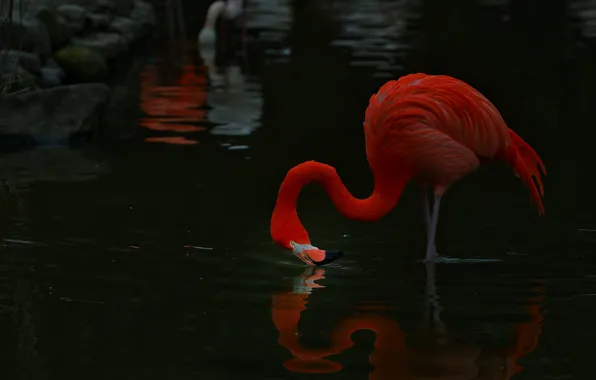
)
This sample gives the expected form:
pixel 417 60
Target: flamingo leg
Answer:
pixel 431 252
pixel 426 211
pixel 425 208
pixel 432 312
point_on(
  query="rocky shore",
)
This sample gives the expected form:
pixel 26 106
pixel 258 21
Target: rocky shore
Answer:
pixel 55 57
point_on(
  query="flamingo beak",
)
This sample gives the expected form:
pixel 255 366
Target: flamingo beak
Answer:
pixel 314 256
pixel 329 257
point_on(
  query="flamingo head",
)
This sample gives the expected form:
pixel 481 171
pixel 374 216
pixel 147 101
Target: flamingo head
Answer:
pixel 233 9
pixel 312 255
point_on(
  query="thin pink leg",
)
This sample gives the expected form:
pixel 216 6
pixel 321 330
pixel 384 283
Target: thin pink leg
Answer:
pixel 431 252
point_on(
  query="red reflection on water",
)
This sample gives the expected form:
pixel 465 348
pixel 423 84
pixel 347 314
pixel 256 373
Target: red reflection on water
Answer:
pixel 166 125
pixel 176 140
pixel 174 108
pixel 431 355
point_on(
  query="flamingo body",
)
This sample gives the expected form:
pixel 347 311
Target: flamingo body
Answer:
pixel 433 129
pixel 207 37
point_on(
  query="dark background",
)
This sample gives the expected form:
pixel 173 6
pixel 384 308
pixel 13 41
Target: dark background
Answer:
pixel 96 281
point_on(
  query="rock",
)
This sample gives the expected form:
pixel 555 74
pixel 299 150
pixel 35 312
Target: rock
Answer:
pixel 144 13
pixel 123 7
pixel 88 5
pixel 100 21
pixel 51 74
pixel 17 80
pixel 82 64
pixel 104 6
pixel 49 78
pixel 74 15
pixel 108 45
pixel 128 28
pixel 8 65
pixel 14 78
pixel 54 115
pixel 28 61
pixel 26 35
pixel 58 30
pixel 52 64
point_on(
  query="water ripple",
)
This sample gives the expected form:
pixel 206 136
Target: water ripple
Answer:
pixel 223 100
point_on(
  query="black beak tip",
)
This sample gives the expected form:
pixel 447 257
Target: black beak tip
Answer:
pixel 329 257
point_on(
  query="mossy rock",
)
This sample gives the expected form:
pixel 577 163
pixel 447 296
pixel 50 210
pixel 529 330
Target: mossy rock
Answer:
pixel 82 65
pixel 58 30
pixel 16 82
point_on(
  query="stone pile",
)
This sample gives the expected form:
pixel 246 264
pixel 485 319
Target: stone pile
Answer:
pixel 53 53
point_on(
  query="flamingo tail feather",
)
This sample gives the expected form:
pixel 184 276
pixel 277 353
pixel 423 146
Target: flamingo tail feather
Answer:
pixel 527 165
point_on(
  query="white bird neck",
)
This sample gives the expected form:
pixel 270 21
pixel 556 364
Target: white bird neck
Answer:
pixel 213 13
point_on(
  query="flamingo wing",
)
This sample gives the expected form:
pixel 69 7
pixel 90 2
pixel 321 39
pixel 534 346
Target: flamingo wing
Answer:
pixel 438 126
pixel 441 128
pixel 444 103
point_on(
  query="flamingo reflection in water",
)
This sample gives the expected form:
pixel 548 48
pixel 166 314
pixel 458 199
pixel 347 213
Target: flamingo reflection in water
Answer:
pixel 172 108
pixel 430 354
pixel 234 99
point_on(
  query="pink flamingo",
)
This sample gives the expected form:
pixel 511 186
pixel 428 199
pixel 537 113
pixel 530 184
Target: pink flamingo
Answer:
pixel 433 129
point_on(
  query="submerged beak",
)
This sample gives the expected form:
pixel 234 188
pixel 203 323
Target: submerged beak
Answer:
pixel 314 256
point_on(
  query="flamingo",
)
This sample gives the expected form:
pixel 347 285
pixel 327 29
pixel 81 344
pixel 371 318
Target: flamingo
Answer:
pixel 432 129
pixel 229 8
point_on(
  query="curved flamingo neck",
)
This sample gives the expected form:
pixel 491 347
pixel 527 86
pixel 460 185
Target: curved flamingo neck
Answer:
pixel 389 339
pixel 285 224
pixel 213 13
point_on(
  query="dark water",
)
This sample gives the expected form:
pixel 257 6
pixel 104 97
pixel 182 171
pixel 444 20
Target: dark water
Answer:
pixel 151 258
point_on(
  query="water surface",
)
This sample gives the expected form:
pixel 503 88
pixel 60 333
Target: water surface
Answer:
pixel 151 258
